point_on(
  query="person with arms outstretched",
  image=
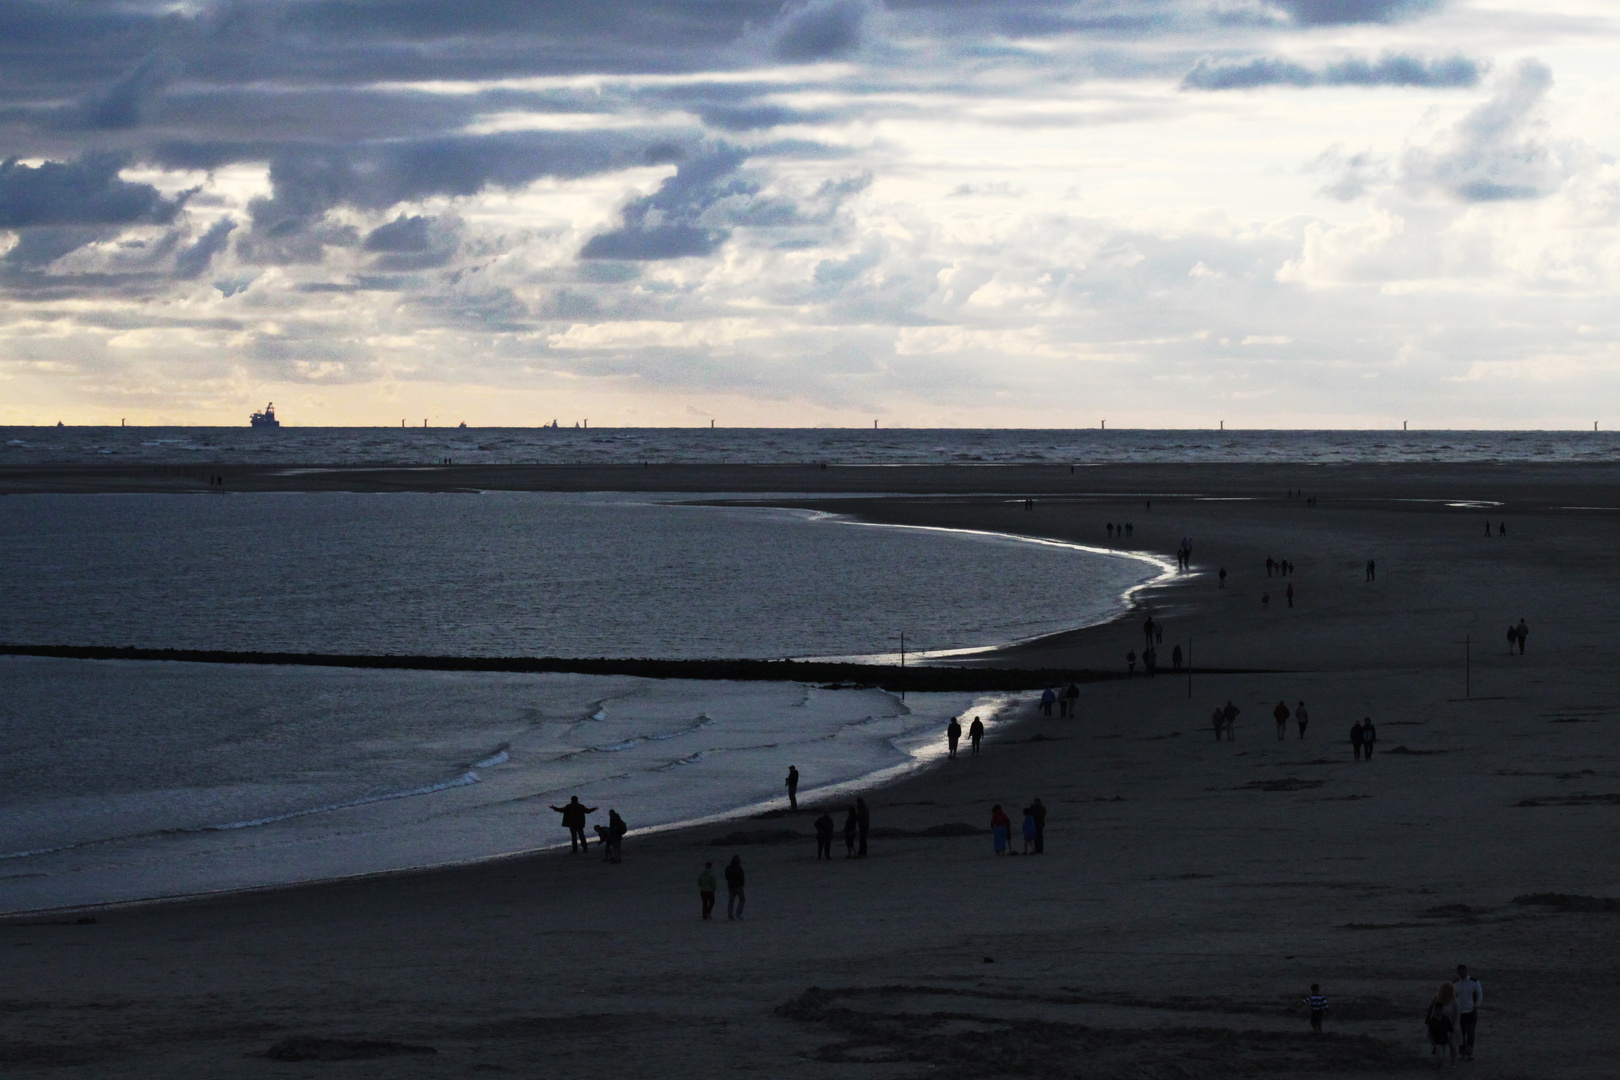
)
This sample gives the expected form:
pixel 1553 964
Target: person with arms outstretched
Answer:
pixel 573 819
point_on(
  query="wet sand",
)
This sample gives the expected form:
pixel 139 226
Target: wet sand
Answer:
pixel 1191 890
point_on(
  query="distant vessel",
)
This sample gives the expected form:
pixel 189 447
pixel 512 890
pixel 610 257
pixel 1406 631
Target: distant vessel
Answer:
pixel 266 418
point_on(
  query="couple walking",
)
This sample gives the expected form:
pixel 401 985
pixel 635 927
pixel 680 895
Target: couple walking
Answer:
pixel 1281 714
pixel 857 823
pixel 1453 1017
pixel 953 733
pixel 735 897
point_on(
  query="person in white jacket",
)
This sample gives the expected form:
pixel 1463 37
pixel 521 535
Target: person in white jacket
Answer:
pixel 1470 996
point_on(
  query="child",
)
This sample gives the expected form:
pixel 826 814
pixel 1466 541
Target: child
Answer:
pixel 1318 1006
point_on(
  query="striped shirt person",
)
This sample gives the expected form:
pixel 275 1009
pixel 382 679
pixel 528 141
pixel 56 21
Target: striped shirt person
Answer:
pixel 1318 1005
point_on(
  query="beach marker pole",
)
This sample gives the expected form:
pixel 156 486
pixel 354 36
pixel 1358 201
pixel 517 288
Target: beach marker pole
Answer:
pixel 902 665
pixel 1468 665
pixel 1189 665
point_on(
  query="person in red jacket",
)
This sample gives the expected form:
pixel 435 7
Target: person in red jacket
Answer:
pixel 1282 714
pixel 1000 829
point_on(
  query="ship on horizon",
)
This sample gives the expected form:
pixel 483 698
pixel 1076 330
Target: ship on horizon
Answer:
pixel 266 418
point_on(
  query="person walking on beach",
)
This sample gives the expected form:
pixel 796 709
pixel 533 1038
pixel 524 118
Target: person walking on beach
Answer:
pixel 1318 1004
pixel 1470 996
pixel 1369 735
pixel 1281 714
pixel 1073 695
pixel 1356 733
pixel 1000 830
pixel 1130 663
pixel 1175 658
pixel 573 819
pixel 975 734
pixel 824 834
pixel 1038 809
pixel 1047 697
pixel 852 824
pixel 1231 713
pixel 734 889
pixel 1029 830
pixel 1290 594
pixel 1147 633
pixel 793 787
pixel 1270 565
pixel 1218 721
pixel 1513 637
pixel 1223 577
pixel 615 837
pixel 1487 526
pixel 1501 528
pixel 1301 717
pixel 1372 570
pixel 706 889
pixel 953 734
pixel 863 820
pixel 1441 1020
pixel 1521 632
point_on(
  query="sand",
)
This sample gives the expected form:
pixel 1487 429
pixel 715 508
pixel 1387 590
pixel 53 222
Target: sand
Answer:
pixel 1190 893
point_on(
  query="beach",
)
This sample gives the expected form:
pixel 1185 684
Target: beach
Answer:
pixel 1190 893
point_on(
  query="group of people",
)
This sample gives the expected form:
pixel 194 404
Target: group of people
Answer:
pixel 1265 597
pixel 610 836
pixel 735 896
pixel 1184 554
pixel 1034 830
pixel 1296 493
pixel 1281 714
pixel 1224 722
pixel 1501 528
pixel 1516 636
pixel 1066 699
pixel 953 730
pixel 1127 529
pixel 1280 567
pixel 857 823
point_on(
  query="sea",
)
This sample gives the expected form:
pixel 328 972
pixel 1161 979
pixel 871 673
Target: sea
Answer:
pixel 126 780
pixel 129 781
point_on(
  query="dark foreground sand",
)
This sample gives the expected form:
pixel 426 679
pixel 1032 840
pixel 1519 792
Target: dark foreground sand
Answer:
pixel 1190 893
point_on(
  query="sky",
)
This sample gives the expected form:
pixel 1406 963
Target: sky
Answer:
pixel 925 213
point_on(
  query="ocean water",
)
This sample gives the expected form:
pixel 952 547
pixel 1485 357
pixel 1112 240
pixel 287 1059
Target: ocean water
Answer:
pixel 127 781
pixel 132 780
pixel 849 446
pixel 525 574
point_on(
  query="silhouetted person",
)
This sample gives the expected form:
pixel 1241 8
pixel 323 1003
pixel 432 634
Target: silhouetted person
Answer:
pixel 1110 530
pixel 615 837
pixel 953 734
pixel 1281 714
pixel 1301 717
pixel 1073 696
pixel 1513 637
pixel 1175 658
pixel 1147 631
pixel 975 734
pixel 1231 714
pixel 1290 594
pixel 706 889
pixel 852 825
pixel 1521 632
pixel 734 888
pixel 1038 810
pixel 863 820
pixel 824 835
pixel 1270 565
pixel 793 787
pixel 1470 996
pixel 1369 735
pixel 1501 528
pixel 1130 662
pixel 1223 577
pixel 1218 721
pixel 1372 570
pixel 1487 526
pixel 1047 697
pixel 1357 732
pixel 573 819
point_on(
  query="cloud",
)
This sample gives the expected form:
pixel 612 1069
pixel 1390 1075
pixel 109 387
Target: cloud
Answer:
pixel 1391 69
pixel 416 242
pixel 1338 12
pixel 1357 173
pixel 669 223
pixel 83 192
pixel 1500 149
pixel 820 30
pixel 195 259
pixel 118 107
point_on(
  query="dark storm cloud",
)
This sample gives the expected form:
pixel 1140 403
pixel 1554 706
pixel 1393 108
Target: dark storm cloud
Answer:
pixel 820 30
pixel 83 192
pixel 1335 12
pixel 118 107
pixel 1395 69
pixel 668 223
